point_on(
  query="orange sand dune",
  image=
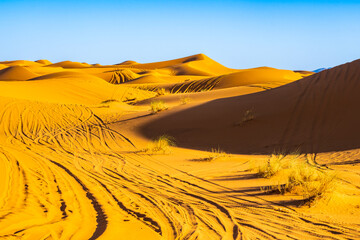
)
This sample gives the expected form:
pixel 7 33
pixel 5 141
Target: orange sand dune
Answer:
pixel 21 63
pixel 315 114
pixel 193 65
pixel 64 74
pixel 76 161
pixel 69 64
pixel 118 76
pixel 2 66
pixel 128 62
pixel 44 61
pixel 258 77
pixel 16 73
pixel 69 87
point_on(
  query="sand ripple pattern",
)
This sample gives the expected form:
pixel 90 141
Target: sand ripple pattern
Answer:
pixel 66 176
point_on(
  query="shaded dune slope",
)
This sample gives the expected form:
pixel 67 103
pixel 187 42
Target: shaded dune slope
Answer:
pixel 316 114
pixel 16 73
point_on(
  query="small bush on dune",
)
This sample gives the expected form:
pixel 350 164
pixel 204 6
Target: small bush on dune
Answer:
pixel 301 178
pixel 277 162
pixel 160 91
pixel 309 182
pixel 109 101
pixel 157 106
pixel 272 166
pixel 216 153
pixel 160 145
pixel 185 100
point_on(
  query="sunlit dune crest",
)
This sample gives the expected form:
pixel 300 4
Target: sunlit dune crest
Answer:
pixel 179 149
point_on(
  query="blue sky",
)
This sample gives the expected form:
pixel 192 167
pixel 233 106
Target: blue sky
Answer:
pixel 239 34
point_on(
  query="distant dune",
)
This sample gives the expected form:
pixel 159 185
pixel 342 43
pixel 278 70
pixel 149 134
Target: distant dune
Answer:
pixel 69 64
pixel 16 73
pixel 44 61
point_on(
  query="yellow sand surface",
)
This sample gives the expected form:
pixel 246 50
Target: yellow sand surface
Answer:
pixel 74 159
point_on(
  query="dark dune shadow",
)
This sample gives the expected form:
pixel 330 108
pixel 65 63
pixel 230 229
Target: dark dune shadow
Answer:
pixel 319 113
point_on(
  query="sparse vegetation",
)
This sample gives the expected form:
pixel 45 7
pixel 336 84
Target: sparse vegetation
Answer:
pixel 216 153
pixel 185 100
pixel 160 145
pixel 160 91
pixel 109 101
pixel 301 178
pixel 309 181
pixel 273 165
pixel 248 116
pixel 157 106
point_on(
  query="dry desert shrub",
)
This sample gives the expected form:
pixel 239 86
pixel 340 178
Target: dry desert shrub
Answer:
pixel 108 101
pixel 271 167
pixel 276 162
pixel 309 181
pixel 157 106
pixel 185 100
pixel 215 153
pixel 301 178
pixel 160 91
pixel 160 145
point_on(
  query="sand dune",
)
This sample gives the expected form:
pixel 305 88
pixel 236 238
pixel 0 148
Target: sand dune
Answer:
pixel 65 74
pixel 118 76
pixel 74 164
pixel 2 66
pixel 44 61
pixel 69 64
pixel 259 77
pixel 16 73
pixel 128 62
pixel 315 114
pixel 198 64
pixel 21 63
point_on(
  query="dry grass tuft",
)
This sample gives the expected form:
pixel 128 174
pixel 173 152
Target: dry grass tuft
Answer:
pixel 310 182
pixel 160 145
pixel 273 165
pixel 300 177
pixel 158 106
pixel 109 101
pixel 216 153
pixel 160 91
pixel 185 100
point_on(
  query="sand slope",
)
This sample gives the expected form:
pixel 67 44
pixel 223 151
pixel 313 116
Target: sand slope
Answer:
pixel 315 114
pixel 16 73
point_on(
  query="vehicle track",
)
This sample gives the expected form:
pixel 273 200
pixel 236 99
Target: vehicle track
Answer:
pixel 70 178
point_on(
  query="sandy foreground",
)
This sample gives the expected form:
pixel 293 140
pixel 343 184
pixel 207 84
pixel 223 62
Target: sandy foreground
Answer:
pixel 76 160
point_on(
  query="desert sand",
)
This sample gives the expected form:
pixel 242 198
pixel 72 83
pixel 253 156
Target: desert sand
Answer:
pixel 77 155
